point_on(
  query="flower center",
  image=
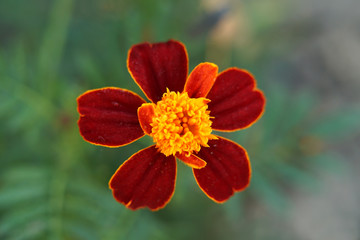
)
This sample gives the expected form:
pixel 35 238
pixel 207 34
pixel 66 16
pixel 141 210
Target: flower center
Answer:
pixel 181 124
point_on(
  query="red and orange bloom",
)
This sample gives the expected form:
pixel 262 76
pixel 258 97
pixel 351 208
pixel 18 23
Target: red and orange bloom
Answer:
pixel 180 118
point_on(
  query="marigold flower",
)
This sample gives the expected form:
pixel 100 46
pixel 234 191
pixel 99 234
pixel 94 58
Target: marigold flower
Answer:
pixel 180 118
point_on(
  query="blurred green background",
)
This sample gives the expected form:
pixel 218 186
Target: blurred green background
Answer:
pixel 304 151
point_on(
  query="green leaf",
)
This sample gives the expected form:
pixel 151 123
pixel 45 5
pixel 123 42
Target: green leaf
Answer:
pixel 21 119
pixel 21 174
pixel 20 217
pixel 330 161
pixel 51 48
pixel 90 69
pixel 7 106
pixel 80 230
pixel 298 108
pixel 292 175
pixel 268 192
pixel 339 124
pixel 97 195
pixel 24 193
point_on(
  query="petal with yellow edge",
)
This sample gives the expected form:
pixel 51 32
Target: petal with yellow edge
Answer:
pixel 236 103
pixel 108 116
pixel 192 160
pixel 201 79
pixel 146 179
pixel 227 169
pixel 156 67
pixel 146 113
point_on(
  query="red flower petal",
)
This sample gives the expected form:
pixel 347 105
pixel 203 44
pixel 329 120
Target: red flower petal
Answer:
pixel 108 116
pixel 201 79
pixel 192 161
pixel 227 169
pixel 146 179
pixel 155 67
pixel 235 101
pixel 145 115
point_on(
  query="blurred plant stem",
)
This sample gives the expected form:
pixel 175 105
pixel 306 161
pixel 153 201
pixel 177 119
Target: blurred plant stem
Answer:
pixel 52 45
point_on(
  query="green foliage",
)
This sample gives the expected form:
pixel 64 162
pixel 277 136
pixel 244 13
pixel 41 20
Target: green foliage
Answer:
pixel 339 124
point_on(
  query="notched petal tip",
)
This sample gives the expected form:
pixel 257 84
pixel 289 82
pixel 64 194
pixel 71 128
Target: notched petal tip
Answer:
pixel 236 103
pixel 155 67
pixel 145 114
pixel 192 160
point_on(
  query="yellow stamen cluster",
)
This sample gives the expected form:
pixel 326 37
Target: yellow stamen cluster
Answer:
pixel 181 124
